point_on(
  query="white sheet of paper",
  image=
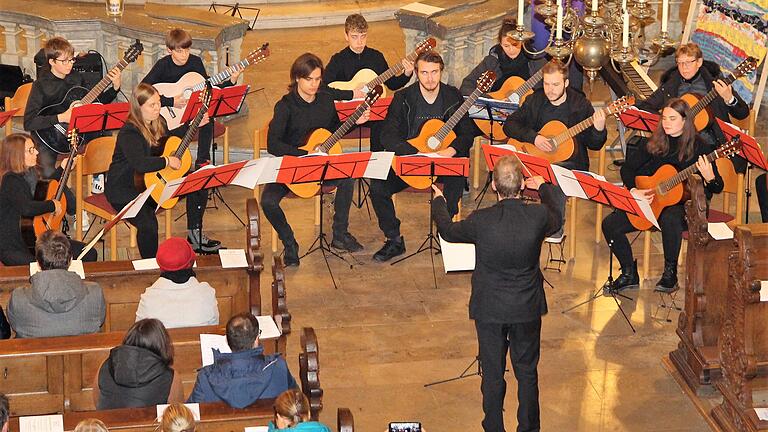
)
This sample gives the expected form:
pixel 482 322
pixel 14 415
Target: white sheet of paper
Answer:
pixel 76 266
pixel 270 170
pixel 233 258
pixel 133 207
pixel 764 292
pixel 194 407
pixel 422 8
pixel 208 341
pixel 457 256
pixel 168 191
pixel 568 183
pixel 509 147
pixel 431 155
pixel 645 207
pixel 379 166
pixel 44 423
pixel 268 327
pixel 248 177
pixel 762 413
pixel 256 429
pixel 593 175
pixel 145 264
pixel 719 231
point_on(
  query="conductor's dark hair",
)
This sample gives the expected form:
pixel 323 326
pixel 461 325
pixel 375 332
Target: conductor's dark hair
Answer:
pixel 242 331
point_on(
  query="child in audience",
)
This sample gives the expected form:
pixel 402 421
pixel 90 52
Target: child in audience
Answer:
pixel 91 425
pixel 178 418
pixel 292 414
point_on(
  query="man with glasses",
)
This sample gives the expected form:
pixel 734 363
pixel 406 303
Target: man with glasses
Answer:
pixel 694 75
pixel 247 374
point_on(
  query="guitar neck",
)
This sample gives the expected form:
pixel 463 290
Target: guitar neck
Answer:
pixel 684 174
pixel 456 117
pixel 67 170
pixel 395 69
pixel 344 128
pixel 225 74
pixel 710 96
pixel 193 126
pixel 528 84
pixel 102 85
pixel 575 130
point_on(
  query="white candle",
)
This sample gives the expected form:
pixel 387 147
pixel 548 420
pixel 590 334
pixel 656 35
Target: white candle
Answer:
pixel 625 30
pixel 664 15
pixel 623 5
pixel 559 31
pixel 520 9
pixel 594 5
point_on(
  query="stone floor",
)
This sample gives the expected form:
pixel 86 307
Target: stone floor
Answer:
pixel 386 331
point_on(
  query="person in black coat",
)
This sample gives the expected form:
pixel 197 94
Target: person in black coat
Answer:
pixel 508 298
pixel 18 179
pixel 411 107
pixel 676 143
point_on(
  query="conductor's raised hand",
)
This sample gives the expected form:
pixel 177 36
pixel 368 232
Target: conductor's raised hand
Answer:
pixel 534 182
pixel 438 192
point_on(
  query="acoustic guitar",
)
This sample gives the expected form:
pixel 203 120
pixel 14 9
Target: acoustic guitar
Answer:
pixel 699 104
pixel 55 137
pixel 50 189
pixel 667 186
pixel 436 135
pixel 514 90
pixel 368 78
pixel 321 140
pixel 561 137
pixel 193 81
pixel 176 147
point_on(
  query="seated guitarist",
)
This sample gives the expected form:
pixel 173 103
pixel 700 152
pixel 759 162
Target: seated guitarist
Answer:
pixel 674 142
pixel 558 101
pixel 411 107
pixel 297 114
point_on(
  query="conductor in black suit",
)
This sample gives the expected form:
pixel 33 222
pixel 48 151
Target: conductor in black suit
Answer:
pixel 508 298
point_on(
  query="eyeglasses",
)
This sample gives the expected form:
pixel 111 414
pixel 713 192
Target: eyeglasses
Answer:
pixel 65 61
pixel 686 63
pixel 31 150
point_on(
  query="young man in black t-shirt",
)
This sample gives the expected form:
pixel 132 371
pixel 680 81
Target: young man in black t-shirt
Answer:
pixel 297 114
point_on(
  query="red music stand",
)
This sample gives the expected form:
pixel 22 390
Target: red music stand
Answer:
pixel 378 109
pixel 532 165
pixel 750 149
pixel 224 101
pixel 6 115
pixel 641 120
pixel 97 117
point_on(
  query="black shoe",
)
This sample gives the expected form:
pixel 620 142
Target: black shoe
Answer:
pixel 346 242
pixel 291 254
pixel 668 281
pixel 391 249
pixel 627 279
pixel 203 245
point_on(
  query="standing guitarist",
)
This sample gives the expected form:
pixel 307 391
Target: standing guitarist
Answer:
pixel 410 109
pixel 557 101
pixel 297 114
pixel 357 56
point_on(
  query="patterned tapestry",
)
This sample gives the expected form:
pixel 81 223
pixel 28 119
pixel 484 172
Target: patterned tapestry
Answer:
pixel 730 30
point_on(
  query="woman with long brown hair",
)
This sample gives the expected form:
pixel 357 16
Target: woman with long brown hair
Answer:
pixel 674 142
pixel 18 178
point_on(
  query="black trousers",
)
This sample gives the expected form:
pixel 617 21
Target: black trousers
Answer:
pixel 523 341
pixel 24 257
pixel 761 188
pixel 146 224
pixel 273 193
pixel 204 141
pixel 381 199
pixel 671 221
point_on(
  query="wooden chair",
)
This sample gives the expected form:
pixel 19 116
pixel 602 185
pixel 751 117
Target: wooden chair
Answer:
pixel 19 100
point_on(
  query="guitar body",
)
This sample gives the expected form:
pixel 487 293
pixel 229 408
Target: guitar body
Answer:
pixel 55 137
pixel 160 178
pixel 510 86
pixel 44 191
pixel 421 142
pixel 660 201
pixel 317 137
pixel 181 87
pixel 551 129
pixel 702 118
pixel 362 77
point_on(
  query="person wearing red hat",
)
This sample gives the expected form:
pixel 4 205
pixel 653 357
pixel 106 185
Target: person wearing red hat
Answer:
pixel 177 298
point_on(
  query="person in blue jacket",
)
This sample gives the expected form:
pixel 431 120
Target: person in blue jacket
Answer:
pixel 292 414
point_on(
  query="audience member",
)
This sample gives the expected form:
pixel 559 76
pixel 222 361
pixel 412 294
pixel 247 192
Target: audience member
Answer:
pixel 58 302
pixel 292 414
pixel 247 374
pixel 138 373
pixel 177 418
pixel 194 302
pixel 91 425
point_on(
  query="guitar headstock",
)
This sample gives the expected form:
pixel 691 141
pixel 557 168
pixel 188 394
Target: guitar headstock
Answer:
pixel 72 137
pixel 133 52
pixel 206 94
pixel 620 105
pixel 730 148
pixel 745 67
pixel 258 55
pixel 485 81
pixel 425 45
pixel 374 94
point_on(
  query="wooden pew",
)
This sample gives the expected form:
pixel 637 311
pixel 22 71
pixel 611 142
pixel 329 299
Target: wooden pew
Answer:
pixel 696 357
pixel 215 417
pixel 743 341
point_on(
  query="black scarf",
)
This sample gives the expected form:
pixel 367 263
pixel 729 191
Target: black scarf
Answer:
pixel 178 276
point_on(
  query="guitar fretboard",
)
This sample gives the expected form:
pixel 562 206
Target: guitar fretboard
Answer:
pixel 102 85
pixel 395 69
pixel 575 129
pixel 344 128
pixel 710 96
pixel 528 85
pixel 444 130
pixel 223 75
pixel 683 175
pixel 193 126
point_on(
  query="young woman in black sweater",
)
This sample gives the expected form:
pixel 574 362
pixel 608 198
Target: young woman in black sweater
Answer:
pixel 18 178
pixel 676 143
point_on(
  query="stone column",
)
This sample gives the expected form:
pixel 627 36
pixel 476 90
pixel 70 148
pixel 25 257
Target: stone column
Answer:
pixel 33 35
pixel 11 55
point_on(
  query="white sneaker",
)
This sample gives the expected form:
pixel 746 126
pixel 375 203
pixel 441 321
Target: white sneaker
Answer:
pixel 97 186
pixel 86 221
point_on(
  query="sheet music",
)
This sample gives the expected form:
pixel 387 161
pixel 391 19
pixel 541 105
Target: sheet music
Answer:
pixel 76 266
pixel 248 177
pixel 719 231
pixel 44 423
pixel 431 155
pixel 457 256
pixel 208 341
pixel 135 205
pixel 168 191
pixel 194 407
pixel 233 258
pixel 764 292
pixel 145 264
pixel 762 413
pixel 645 207
pixel 379 165
pixel 270 170
pixel 568 183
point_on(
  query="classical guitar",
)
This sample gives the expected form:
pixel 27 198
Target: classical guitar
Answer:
pixel 514 90
pixel 369 79
pixel 667 186
pixel 323 141
pixel 176 147
pixel 193 81
pixel 436 135
pixel 699 104
pixel 561 137
pixel 55 137
pixel 49 189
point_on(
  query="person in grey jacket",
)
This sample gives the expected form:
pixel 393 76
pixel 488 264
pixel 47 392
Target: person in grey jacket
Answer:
pixel 58 302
